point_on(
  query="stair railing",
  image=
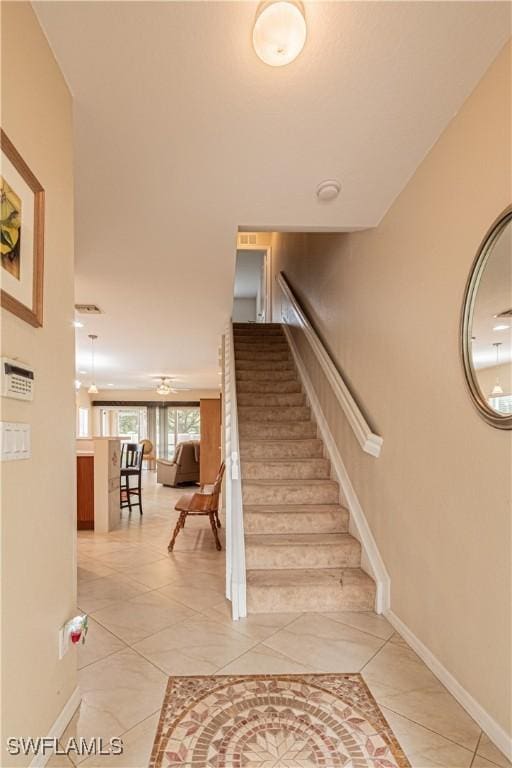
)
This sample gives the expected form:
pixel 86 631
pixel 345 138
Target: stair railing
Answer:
pixel 368 440
pixel 235 542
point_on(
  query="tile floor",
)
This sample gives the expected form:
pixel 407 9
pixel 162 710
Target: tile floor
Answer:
pixel 153 614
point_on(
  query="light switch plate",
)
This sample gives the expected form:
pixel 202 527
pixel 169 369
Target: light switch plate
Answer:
pixel 14 441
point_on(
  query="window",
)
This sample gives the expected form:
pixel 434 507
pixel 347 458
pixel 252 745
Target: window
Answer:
pixel 129 424
pixel 182 424
pixel 83 422
pixel 132 424
pixel 502 404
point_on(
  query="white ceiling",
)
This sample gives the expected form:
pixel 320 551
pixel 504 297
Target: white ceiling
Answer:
pixel 182 135
pixel 248 273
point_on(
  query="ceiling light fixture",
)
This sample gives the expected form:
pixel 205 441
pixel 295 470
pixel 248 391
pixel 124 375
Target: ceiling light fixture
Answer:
pixel 279 32
pixel 77 324
pixel 501 327
pixel 164 388
pixel 93 389
pixel 328 190
pixel 497 390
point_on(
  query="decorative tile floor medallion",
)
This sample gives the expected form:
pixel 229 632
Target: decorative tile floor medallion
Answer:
pixel 273 721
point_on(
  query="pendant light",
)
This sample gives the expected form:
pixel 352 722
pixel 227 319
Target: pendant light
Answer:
pixel 93 389
pixel 497 389
pixel 279 32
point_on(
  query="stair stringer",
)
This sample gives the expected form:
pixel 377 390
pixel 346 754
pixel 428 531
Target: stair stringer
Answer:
pixel 371 559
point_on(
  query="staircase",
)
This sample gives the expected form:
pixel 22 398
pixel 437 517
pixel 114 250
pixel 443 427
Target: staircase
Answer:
pixel 299 554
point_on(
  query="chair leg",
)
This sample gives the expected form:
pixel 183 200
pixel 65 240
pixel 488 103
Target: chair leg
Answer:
pixel 217 520
pixel 180 524
pixel 140 492
pixel 128 494
pixel 214 529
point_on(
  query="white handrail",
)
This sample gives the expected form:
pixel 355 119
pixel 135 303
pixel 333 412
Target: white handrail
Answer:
pixel 235 542
pixel 368 440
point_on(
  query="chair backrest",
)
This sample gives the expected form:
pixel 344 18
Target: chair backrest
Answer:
pixel 147 447
pixel 186 456
pixel 214 504
pixel 131 455
pixel 210 500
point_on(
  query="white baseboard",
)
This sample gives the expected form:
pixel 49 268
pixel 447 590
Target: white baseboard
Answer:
pixel 371 558
pixel 493 730
pixel 59 726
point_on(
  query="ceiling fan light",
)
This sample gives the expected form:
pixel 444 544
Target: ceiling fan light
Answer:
pixel 93 389
pixel 279 32
pixel 164 388
pixel 496 390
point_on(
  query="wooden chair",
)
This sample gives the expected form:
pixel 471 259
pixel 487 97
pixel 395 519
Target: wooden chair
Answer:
pixel 202 503
pixel 149 453
pixel 132 456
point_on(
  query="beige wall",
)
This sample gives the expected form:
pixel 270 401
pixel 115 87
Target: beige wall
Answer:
pixel 387 303
pixel 38 495
pixel 244 310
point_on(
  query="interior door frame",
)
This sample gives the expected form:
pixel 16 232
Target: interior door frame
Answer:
pixel 267 263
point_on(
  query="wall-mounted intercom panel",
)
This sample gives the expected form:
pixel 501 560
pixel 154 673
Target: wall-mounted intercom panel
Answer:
pixel 17 379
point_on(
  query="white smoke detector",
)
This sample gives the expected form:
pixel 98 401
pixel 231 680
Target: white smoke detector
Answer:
pixel 328 190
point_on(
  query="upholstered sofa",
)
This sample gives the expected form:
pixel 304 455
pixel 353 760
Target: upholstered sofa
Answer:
pixel 184 467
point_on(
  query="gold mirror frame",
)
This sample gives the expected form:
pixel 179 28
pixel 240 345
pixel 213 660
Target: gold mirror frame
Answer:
pixel 488 414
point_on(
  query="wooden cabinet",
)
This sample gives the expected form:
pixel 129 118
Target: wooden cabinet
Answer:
pixel 210 440
pixel 85 493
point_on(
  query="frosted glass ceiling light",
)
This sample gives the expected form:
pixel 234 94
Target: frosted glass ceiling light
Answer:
pixel 279 32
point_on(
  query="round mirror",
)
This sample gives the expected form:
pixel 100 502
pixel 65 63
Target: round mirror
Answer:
pixel 487 325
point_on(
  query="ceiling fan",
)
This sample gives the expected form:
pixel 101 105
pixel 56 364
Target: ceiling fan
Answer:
pixel 165 388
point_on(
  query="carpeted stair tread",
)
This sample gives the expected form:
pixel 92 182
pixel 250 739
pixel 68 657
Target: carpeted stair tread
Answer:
pixel 266 375
pixel 310 589
pixel 282 431
pixel 286 469
pixel 264 365
pixel 301 550
pixel 290 492
pixel 295 518
pixel 274 413
pixel 263 387
pixel 251 449
pixel 274 399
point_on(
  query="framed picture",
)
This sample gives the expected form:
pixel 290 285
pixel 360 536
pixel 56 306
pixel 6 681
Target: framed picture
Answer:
pixel 21 236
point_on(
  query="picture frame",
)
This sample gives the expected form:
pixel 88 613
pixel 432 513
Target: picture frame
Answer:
pixel 22 236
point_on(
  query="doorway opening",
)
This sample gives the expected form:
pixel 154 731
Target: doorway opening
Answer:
pixel 252 292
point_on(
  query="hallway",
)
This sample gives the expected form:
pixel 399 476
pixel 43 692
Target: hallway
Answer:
pixel 154 615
